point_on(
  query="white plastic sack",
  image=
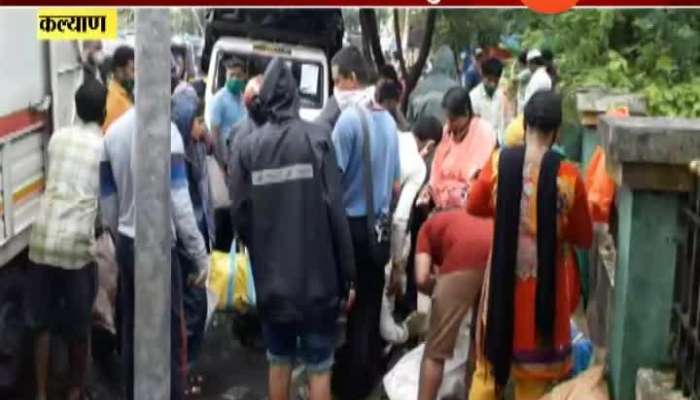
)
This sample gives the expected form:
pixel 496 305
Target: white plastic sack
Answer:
pixel 401 383
pixel 217 182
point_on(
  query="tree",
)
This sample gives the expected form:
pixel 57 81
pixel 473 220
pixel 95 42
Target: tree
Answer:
pixel 411 75
pixel 370 35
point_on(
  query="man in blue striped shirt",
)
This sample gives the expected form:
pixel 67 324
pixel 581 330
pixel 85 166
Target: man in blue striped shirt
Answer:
pixel 117 206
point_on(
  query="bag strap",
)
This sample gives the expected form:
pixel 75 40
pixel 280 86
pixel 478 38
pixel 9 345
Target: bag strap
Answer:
pixel 367 172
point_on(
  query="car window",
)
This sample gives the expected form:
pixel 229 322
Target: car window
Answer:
pixel 308 75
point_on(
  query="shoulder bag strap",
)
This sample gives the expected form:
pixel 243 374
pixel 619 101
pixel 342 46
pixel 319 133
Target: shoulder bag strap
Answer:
pixel 367 172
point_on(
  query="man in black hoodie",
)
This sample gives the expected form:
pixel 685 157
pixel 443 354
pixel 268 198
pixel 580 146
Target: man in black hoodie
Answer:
pixel 287 208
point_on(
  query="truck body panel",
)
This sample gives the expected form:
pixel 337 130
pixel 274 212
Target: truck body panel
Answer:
pixel 39 83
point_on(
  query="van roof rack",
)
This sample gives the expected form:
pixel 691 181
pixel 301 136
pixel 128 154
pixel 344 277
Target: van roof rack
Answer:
pixel 322 28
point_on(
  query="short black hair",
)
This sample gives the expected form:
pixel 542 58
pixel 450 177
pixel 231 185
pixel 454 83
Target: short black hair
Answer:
pixel 548 55
pixel 522 58
pixel 492 67
pixel 543 111
pixel 428 128
pixel 90 101
pixel 389 90
pixel 122 56
pixel 387 71
pixel 234 62
pixel 539 61
pixel 200 87
pixel 350 61
pixel 457 102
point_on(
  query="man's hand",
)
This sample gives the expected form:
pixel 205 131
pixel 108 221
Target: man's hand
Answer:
pixel 427 149
pixel 199 278
pixel 424 197
pixel 395 281
pixel 347 304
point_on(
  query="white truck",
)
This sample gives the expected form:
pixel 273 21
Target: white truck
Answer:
pixel 38 79
pixel 306 39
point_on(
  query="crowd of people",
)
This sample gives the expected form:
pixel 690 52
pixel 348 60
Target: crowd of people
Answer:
pixel 347 218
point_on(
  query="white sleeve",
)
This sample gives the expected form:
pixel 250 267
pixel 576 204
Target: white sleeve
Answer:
pixel 388 328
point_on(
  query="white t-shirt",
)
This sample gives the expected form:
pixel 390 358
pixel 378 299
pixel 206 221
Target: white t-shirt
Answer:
pixel 540 81
pixel 413 172
pixel 490 109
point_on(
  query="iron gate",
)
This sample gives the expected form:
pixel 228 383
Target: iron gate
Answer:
pixel 686 308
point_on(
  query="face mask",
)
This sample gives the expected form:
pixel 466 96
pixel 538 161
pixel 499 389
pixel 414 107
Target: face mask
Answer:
pixel 128 85
pixel 235 86
pixel 346 98
pixel 490 90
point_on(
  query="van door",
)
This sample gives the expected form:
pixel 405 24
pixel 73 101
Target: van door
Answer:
pixel 66 76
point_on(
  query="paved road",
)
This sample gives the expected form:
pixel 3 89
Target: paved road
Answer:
pixel 230 371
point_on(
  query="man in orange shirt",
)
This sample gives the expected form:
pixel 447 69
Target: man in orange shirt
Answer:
pixel 120 96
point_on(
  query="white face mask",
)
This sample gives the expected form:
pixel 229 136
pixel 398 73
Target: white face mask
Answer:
pixel 346 98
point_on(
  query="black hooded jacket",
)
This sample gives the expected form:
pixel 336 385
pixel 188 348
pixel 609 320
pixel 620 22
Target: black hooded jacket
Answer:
pixel 287 207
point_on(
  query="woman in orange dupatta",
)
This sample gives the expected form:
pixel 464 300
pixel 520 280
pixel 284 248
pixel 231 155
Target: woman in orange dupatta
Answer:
pixel 531 285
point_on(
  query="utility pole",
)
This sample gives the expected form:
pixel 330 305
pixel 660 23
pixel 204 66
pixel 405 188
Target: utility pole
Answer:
pixel 151 158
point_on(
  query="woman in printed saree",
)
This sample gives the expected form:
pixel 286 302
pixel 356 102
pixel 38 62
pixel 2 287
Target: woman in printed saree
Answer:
pixel 531 286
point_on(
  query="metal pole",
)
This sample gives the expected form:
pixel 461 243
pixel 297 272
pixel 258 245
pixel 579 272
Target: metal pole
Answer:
pixel 151 157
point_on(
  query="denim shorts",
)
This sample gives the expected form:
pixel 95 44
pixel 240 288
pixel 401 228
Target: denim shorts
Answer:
pixel 312 344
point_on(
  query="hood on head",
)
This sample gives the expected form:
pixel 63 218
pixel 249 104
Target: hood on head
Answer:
pixel 443 62
pixel 279 95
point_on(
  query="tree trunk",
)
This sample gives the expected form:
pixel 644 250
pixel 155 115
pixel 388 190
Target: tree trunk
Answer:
pixel 417 68
pixel 370 32
pixel 399 44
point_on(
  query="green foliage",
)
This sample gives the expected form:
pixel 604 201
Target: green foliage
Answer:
pixel 655 52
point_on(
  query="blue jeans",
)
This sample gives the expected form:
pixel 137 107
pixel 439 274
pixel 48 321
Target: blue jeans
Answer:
pixel 312 344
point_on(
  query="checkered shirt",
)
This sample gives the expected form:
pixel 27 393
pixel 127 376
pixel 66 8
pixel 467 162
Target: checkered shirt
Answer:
pixel 64 229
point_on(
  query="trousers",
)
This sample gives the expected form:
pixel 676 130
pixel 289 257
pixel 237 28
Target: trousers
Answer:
pixel 178 339
pixel 359 365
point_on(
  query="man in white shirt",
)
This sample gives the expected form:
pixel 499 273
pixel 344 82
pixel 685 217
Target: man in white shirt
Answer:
pixel 487 98
pixel 413 149
pixel 540 77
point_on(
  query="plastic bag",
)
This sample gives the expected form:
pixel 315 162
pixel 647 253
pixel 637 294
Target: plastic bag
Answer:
pixel 107 272
pixel 401 383
pixel 231 280
pixel 217 182
pixel 590 385
pixel 582 349
pixel 600 187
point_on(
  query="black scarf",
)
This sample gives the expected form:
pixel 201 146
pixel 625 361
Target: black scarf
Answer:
pixel 499 323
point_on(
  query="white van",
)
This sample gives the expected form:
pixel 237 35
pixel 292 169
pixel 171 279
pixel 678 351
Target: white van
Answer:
pixel 309 66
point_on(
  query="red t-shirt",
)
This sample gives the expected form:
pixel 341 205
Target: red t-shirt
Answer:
pixel 456 240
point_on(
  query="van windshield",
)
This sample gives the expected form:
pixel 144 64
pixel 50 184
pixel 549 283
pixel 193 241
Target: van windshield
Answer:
pixel 308 74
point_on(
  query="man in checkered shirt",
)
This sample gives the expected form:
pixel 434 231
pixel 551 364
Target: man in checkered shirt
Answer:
pixel 64 274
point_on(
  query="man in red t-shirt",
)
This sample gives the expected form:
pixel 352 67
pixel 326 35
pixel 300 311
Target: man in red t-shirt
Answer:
pixel 451 256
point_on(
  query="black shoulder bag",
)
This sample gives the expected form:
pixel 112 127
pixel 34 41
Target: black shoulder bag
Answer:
pixel 379 229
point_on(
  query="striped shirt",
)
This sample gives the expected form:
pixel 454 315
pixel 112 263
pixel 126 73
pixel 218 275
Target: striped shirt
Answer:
pixel 117 188
pixel 64 231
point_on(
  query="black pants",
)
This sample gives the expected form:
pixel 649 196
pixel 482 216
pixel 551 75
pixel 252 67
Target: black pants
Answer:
pixel 359 365
pixel 178 343
pixel 409 302
pixel 194 301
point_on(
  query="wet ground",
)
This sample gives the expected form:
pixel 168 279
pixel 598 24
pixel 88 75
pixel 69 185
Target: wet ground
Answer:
pixel 230 370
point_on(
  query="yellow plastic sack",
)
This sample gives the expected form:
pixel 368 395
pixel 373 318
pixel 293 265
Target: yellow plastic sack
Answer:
pixel 231 279
pixel 515 132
